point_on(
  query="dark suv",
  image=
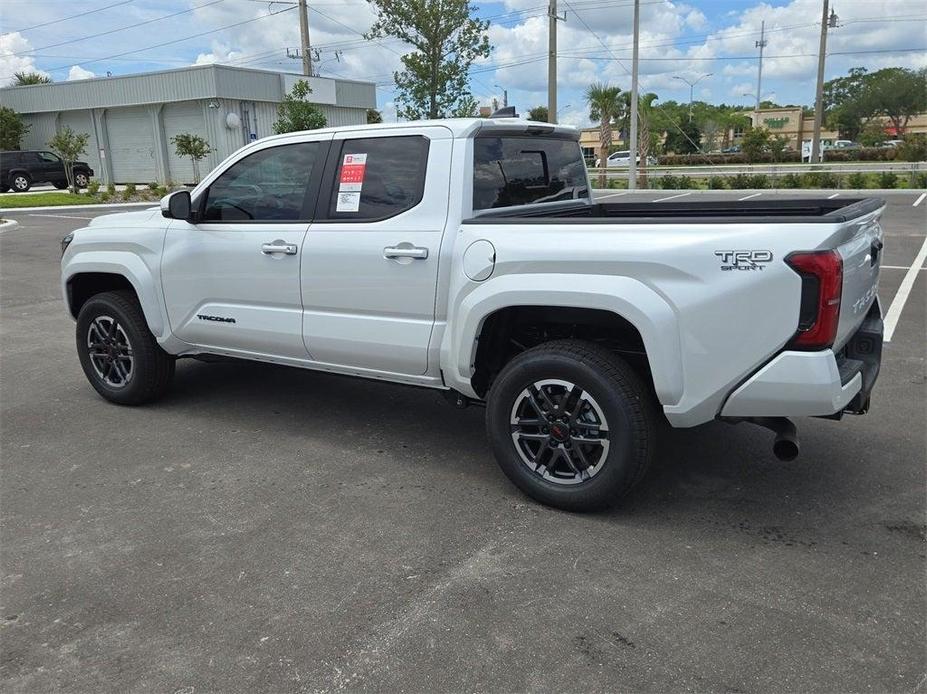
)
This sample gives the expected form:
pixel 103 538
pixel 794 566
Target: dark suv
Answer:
pixel 19 170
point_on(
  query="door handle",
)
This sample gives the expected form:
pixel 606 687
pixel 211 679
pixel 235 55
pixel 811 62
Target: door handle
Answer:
pixel 279 247
pixel 405 252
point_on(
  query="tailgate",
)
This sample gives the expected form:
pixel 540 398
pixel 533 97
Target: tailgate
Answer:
pixel 859 243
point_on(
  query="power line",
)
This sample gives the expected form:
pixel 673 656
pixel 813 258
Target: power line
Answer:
pixel 165 43
pixel 113 31
pixel 73 16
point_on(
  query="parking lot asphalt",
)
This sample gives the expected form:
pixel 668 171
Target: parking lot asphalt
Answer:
pixel 271 529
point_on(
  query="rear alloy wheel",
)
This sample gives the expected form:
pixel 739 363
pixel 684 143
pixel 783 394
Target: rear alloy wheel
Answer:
pixel 81 179
pixel 119 355
pixel 571 424
pixel 21 183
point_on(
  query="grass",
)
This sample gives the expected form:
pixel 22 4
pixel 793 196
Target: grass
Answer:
pixel 44 199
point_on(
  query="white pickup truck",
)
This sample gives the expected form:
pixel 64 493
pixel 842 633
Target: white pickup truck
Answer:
pixel 469 256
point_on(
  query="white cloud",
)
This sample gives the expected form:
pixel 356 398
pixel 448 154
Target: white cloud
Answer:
pixel 12 46
pixel 220 53
pixel 78 73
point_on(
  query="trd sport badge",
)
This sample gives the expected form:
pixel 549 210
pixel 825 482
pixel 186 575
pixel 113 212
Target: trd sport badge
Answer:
pixel 744 260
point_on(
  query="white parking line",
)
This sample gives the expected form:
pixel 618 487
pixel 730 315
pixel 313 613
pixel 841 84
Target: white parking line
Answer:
pixel 755 195
pixel 831 197
pixel 904 290
pixel 611 195
pixel 59 216
pixel 920 199
pixel 897 267
pixel 671 197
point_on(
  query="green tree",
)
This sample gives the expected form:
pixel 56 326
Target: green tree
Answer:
pixel 683 138
pixel 24 79
pixel 538 113
pixel 896 93
pixel 69 145
pixel 193 146
pixel 296 113
pixel 872 133
pixel 605 106
pixel 777 146
pixel 12 128
pixel 446 39
pixel 844 109
pixel 755 142
pixel 648 132
pixel 374 116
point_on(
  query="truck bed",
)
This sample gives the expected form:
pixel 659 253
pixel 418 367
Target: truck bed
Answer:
pixel 795 211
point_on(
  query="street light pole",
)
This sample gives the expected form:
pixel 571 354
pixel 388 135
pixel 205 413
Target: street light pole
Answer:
pixel 692 88
pixel 505 94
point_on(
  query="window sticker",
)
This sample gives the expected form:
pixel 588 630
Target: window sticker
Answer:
pixel 352 173
pixel 348 201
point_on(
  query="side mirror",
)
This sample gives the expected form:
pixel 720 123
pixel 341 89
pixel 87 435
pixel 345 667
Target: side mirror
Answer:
pixel 177 205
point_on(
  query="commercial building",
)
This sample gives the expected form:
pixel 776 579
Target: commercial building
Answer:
pixel 130 119
pixel 796 126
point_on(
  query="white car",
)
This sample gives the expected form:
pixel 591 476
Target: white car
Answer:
pixel 468 256
pixel 623 159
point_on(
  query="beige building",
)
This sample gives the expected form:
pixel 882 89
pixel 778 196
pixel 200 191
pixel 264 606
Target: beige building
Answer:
pixel 791 124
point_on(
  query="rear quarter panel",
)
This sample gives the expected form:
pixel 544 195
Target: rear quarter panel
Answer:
pixel 705 328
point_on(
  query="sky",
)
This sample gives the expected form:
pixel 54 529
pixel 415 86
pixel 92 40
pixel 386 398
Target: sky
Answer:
pixel 68 41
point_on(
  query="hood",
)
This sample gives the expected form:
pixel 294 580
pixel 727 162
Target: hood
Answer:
pixel 121 219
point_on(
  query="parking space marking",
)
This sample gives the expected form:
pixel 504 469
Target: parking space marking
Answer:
pixel 920 199
pixel 59 216
pixel 671 197
pixel 904 290
pixel 611 195
pixel 831 197
pixel 898 267
pixel 747 197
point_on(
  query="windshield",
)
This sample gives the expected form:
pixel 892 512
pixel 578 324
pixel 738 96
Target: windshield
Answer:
pixel 521 170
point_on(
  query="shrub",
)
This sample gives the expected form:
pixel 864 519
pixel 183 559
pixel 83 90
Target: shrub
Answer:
pixel 856 180
pixel 820 179
pixel 716 183
pixel 913 149
pixel 111 189
pixel 758 181
pixel 129 191
pixel 740 181
pixel 93 188
pixel 105 196
pixel 919 179
pixel 887 179
pixel 791 181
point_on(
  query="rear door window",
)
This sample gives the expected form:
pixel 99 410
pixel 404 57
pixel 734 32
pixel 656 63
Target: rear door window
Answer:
pixel 378 177
pixel 511 171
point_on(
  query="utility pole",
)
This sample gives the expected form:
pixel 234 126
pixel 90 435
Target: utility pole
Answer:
pixel 632 155
pixel 304 47
pixel 505 95
pixel 761 44
pixel 819 93
pixel 552 62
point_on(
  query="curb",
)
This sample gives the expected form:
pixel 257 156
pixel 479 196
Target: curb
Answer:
pixel 774 191
pixel 8 224
pixel 14 210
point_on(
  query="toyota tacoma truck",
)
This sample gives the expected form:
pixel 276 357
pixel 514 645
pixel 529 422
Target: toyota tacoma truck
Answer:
pixel 470 256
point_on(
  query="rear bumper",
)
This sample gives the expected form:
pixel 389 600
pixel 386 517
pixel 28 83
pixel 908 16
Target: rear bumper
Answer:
pixel 824 383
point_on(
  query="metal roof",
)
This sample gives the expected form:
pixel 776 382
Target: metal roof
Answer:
pixel 183 84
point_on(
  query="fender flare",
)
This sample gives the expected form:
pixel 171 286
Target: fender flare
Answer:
pixel 635 302
pixel 131 267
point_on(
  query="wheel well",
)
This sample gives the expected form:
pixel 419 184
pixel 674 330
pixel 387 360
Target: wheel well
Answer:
pixel 510 331
pixel 85 285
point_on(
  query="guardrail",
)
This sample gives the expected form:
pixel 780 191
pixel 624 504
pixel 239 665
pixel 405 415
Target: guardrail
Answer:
pixel 705 170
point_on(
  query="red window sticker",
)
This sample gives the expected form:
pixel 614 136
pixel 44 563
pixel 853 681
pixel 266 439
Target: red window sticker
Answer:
pixel 352 172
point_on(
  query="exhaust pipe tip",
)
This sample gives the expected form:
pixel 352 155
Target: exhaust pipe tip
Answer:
pixel 785 447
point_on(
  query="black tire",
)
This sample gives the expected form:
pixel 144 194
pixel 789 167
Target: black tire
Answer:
pixel 60 186
pixel 81 179
pixel 613 390
pixel 151 368
pixel 20 182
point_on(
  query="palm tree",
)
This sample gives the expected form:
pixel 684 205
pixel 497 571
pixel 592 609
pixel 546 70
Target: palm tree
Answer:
pixel 646 134
pixel 22 79
pixel 605 106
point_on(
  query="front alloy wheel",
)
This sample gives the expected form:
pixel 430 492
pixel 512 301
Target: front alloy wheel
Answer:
pixel 110 352
pixel 81 180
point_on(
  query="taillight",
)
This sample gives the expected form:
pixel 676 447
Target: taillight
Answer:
pixel 821 275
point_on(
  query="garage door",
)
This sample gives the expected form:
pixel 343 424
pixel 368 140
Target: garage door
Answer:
pixel 184 117
pixel 131 145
